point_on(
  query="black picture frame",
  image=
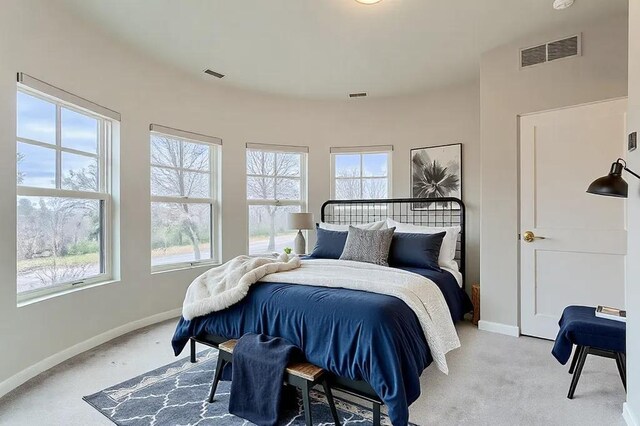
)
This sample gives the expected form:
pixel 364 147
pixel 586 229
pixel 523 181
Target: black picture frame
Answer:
pixel 436 172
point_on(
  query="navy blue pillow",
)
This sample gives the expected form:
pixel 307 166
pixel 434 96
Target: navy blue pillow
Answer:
pixel 416 250
pixel 329 244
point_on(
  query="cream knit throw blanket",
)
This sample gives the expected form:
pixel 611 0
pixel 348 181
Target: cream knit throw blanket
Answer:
pixel 225 285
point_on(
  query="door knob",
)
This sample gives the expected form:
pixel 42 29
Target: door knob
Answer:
pixel 529 236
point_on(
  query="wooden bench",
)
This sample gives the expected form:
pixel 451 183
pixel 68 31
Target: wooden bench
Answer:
pixel 302 375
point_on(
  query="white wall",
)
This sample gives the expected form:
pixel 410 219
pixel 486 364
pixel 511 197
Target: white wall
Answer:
pixel 37 39
pixel 632 409
pixel 505 92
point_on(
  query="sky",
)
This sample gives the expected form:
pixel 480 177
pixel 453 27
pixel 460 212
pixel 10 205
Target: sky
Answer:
pixel 37 121
pixel 373 164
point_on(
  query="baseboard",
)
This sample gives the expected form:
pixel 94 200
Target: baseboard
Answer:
pixel 629 416
pixel 496 327
pixel 30 372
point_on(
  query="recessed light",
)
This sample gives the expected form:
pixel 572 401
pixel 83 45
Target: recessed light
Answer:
pixel 368 1
pixel 562 4
pixel 358 95
pixel 213 73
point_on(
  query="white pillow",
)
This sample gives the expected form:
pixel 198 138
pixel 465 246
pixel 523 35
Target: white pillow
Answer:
pixel 449 242
pixel 371 226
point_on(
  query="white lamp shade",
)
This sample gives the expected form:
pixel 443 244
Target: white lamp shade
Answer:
pixel 300 221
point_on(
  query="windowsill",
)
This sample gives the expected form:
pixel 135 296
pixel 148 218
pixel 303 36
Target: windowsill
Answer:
pixel 264 255
pixel 276 255
pixel 185 267
pixel 52 295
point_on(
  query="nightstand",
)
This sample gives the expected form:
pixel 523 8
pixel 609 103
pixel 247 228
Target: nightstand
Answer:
pixel 475 301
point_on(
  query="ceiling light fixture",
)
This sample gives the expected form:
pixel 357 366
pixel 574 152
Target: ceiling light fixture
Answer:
pixel 562 4
pixel 368 1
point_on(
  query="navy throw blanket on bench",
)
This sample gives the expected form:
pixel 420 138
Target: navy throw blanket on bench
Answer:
pixel 259 364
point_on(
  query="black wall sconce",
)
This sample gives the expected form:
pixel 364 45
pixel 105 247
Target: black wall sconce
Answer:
pixel 612 185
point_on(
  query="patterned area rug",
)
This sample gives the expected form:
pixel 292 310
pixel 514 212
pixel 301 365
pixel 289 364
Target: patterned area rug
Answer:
pixel 177 394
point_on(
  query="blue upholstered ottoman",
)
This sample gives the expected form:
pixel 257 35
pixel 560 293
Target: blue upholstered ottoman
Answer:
pixel 592 336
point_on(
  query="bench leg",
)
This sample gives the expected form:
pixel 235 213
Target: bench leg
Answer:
pixel 622 368
pixel 376 414
pixel 332 405
pixel 576 355
pixel 216 377
pixel 192 344
pixel 306 403
pixel 576 374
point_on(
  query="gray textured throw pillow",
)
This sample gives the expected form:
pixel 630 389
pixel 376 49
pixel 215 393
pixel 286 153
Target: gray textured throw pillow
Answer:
pixel 369 246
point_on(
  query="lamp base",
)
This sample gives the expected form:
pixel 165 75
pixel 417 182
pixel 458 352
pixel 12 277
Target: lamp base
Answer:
pixel 299 244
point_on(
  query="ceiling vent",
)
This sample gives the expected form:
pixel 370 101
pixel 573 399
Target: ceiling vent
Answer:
pixel 358 95
pixel 213 73
pixel 554 50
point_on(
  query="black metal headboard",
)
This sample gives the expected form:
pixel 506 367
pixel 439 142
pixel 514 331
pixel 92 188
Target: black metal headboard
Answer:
pixel 415 211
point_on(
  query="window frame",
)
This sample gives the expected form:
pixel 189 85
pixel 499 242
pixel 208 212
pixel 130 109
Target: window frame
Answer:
pixel 215 154
pixel 361 151
pixel 303 202
pixel 103 193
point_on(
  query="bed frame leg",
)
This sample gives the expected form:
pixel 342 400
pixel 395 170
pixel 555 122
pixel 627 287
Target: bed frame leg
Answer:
pixel 192 343
pixel 376 414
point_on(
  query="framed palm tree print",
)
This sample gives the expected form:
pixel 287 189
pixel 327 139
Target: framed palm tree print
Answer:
pixel 436 172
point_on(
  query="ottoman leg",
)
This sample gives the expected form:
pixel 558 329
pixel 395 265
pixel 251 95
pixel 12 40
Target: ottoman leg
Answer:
pixel 576 355
pixel 622 369
pixel 576 374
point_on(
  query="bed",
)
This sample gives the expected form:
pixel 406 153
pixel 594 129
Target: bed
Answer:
pixel 371 343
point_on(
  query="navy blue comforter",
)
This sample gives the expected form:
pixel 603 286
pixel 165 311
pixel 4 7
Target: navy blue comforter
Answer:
pixel 353 334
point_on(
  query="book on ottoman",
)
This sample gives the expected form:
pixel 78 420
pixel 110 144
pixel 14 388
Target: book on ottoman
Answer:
pixel 611 313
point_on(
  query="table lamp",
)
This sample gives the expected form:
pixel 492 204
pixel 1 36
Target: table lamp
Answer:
pixel 300 221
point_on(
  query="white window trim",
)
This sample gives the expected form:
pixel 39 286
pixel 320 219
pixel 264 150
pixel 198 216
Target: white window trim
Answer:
pixel 48 93
pixel 386 149
pixel 302 202
pixel 68 98
pixel 213 200
pixel 183 134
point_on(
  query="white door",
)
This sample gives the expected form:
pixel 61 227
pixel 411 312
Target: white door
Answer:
pixel 581 259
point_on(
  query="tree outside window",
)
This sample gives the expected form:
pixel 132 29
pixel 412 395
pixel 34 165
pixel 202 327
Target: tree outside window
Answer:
pixel 275 187
pixel 361 175
pixel 63 194
pixel 183 201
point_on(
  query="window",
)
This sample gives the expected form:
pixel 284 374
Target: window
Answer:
pixel 184 194
pixel 63 190
pixel 276 186
pixel 361 172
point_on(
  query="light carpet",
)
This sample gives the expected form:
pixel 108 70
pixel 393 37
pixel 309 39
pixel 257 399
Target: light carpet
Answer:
pixel 494 380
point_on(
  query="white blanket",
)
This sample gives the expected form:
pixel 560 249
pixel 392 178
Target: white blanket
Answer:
pixel 419 293
pixel 227 284
pixel 223 286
